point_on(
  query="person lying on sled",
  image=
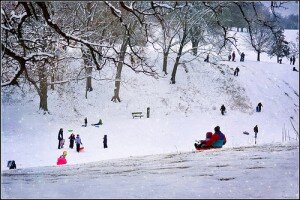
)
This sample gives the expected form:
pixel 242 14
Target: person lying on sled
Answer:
pixel 217 140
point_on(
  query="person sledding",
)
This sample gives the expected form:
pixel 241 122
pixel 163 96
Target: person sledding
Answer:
pixel 217 140
pixel 99 123
pixel 201 143
pixel 62 159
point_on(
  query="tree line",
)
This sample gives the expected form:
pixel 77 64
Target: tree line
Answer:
pixel 36 35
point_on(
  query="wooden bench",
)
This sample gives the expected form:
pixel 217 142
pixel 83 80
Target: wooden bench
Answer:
pixel 137 114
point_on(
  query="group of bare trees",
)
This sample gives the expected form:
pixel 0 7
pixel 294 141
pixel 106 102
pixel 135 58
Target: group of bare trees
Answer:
pixel 35 37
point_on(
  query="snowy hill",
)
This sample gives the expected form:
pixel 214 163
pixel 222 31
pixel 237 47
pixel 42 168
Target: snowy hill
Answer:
pixel 179 114
pixel 266 171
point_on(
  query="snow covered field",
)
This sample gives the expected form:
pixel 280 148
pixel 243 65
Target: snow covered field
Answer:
pixel 268 171
pixel 179 115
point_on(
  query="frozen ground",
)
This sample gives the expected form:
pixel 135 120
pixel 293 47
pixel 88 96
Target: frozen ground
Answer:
pixel 269 171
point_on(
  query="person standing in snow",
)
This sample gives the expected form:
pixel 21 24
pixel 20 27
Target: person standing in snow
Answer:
pixel 242 57
pixel 105 141
pixel 259 105
pixel 78 143
pixel 72 138
pixel 229 57
pixel 223 109
pixel 207 58
pixel 236 71
pixel 294 60
pixel 60 137
pixel 85 122
pixel 233 56
pixel 291 60
pixel 255 131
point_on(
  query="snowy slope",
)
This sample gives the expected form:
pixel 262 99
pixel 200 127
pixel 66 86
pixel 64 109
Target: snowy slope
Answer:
pixel 268 171
pixel 180 113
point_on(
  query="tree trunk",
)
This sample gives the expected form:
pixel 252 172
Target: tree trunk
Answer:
pixel 258 56
pixel 195 47
pixel 43 89
pixel 178 57
pixel 165 62
pixel 116 96
pixel 89 78
pixel 52 80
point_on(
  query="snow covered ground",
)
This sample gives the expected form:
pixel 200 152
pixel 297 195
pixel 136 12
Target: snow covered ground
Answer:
pixel 179 115
pixel 267 171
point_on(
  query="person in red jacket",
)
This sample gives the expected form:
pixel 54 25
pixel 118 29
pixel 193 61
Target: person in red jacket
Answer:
pixel 217 140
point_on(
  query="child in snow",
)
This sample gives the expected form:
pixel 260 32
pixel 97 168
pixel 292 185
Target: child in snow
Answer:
pixel 62 159
pixel 78 143
pixel 72 138
pixel 201 143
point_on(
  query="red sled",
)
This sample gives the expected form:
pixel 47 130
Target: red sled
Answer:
pixel 203 148
pixel 81 149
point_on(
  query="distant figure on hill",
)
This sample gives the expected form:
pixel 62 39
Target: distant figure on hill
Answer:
pixel 255 131
pixel 105 141
pixel 236 71
pixel 242 57
pixel 223 109
pixel 72 138
pixel 78 143
pixel 258 108
pixel 294 60
pixel 294 69
pixel 229 57
pixel 99 123
pixel 85 122
pixel 280 61
pixel 233 56
pixel 60 138
pixel 207 58
pixel 291 60
pixel 11 164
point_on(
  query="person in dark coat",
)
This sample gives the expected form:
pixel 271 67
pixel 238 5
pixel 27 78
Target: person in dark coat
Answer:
pixel 12 164
pixel 105 141
pixel 242 57
pixel 207 58
pixel 99 123
pixel 223 109
pixel 236 71
pixel 294 60
pixel 229 57
pixel 255 131
pixel 291 60
pixel 85 122
pixel 259 105
pixel 72 138
pixel 78 143
pixel 60 137
pixel 233 56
